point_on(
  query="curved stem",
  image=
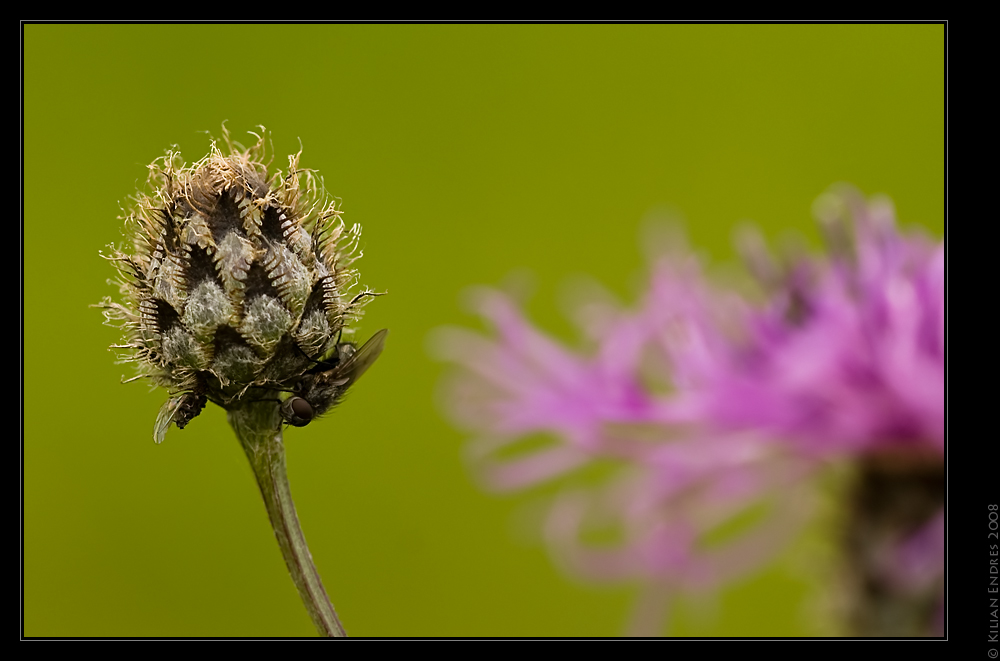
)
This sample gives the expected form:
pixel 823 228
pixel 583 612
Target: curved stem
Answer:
pixel 258 427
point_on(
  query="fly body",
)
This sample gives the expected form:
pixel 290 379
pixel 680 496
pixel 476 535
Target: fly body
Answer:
pixel 323 385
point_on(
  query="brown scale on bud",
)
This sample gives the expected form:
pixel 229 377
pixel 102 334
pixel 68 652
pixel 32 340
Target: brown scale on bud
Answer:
pixel 236 286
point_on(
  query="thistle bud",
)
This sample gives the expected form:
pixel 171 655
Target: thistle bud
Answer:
pixel 236 286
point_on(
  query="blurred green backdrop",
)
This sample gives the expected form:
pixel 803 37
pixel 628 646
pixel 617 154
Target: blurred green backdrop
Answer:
pixel 466 152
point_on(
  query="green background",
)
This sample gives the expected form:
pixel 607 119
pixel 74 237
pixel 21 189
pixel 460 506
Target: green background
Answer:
pixel 467 152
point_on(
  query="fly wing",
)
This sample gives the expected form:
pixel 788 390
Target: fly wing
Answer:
pixel 166 415
pixel 179 409
pixel 348 372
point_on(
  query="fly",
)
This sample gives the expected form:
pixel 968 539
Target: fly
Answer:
pixel 324 384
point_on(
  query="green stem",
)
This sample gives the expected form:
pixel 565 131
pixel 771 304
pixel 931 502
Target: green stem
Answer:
pixel 258 427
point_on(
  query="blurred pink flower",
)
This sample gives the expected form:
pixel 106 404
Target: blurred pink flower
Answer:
pixel 715 408
pixel 848 353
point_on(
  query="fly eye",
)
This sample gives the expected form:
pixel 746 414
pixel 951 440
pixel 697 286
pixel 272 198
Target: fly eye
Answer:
pixel 296 411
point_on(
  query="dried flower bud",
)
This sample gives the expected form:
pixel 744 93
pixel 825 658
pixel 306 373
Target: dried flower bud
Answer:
pixel 236 286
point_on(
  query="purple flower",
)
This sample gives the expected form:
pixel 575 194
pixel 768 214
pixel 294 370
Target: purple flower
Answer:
pixel 717 409
pixel 848 354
